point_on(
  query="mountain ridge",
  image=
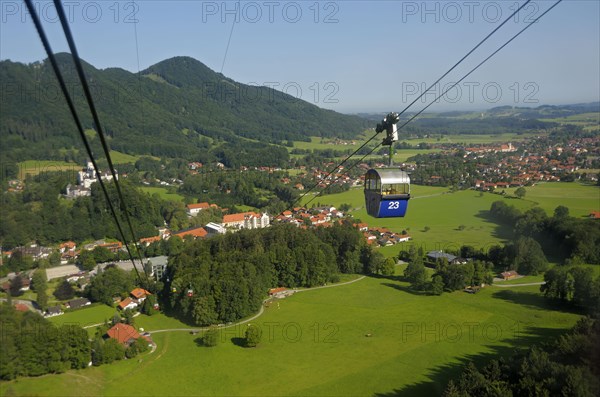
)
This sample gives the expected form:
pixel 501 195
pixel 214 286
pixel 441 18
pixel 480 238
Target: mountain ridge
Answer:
pixel 143 115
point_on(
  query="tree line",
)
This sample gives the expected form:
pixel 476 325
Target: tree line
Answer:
pixel 225 278
pixel 446 277
pixel 560 235
pixel 33 346
pixel 567 366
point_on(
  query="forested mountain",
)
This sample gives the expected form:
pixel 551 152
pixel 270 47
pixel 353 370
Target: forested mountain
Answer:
pixel 176 108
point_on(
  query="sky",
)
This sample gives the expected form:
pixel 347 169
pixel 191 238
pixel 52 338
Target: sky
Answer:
pixel 349 56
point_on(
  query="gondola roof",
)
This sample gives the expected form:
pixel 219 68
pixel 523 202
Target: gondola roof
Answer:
pixel 390 175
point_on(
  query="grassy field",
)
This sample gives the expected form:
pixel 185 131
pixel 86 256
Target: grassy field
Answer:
pixel 589 121
pixel 122 158
pixel 85 316
pixel 162 192
pixel 401 155
pixel 315 142
pixel 373 336
pixel 439 210
pixel 470 139
pixel 35 167
pixel 581 199
pixel 444 212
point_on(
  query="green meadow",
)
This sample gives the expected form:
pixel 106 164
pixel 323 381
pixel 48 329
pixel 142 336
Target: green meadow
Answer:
pixel 86 316
pixel 316 143
pixel 435 217
pixel 162 192
pixel 445 213
pixel 35 167
pixel 122 158
pixel 581 199
pixel 589 121
pixel 402 155
pixel 370 337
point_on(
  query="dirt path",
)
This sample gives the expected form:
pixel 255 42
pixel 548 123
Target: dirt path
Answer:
pixel 260 311
pixel 518 285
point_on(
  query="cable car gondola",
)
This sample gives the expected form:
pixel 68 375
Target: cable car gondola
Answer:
pixel 387 190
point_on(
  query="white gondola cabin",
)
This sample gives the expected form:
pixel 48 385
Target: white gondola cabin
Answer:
pixel 387 191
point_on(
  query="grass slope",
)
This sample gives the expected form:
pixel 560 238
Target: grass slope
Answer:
pixel 444 212
pixel 580 199
pixel 162 192
pixel 35 167
pixel 315 343
pixel 439 210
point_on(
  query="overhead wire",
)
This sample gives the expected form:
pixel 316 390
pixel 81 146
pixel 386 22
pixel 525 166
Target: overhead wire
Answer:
pixel 328 174
pixel 445 92
pixel 90 101
pixel 46 44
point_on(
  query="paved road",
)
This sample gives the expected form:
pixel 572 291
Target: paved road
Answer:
pixel 260 312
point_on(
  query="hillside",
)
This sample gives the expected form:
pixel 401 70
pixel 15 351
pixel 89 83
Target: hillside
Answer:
pixel 497 120
pixel 177 108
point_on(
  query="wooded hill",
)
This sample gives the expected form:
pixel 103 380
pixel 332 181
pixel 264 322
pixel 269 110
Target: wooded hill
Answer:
pixel 176 108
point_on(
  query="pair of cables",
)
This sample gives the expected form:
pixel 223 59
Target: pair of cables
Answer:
pixel 86 89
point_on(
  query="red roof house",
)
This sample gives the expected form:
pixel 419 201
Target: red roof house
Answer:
pixel 123 333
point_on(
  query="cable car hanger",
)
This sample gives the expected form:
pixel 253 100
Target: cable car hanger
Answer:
pixel 387 190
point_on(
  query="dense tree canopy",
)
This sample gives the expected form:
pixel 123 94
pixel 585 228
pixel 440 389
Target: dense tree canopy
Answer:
pixel 226 278
pixel 560 235
pixel 567 366
pixel 32 346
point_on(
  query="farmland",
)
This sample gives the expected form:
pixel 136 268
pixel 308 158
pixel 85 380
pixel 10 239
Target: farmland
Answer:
pixel 316 143
pixel 435 215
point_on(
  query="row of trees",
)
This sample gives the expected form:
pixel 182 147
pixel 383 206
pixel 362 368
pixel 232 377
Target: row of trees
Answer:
pixel 449 277
pixel 568 366
pixel 573 284
pixel 225 278
pixel 32 346
pixel 252 188
pixel 561 234
pixel 38 214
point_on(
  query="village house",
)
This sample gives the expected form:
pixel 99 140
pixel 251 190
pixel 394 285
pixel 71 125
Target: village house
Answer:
pixel 128 303
pixel 194 209
pixel 508 275
pixel 53 311
pixel 34 251
pixel 113 247
pixel 433 256
pixel 78 303
pixel 195 232
pixel 139 294
pixel 274 291
pixel 594 215
pixel 125 334
pixel 149 240
pixel 25 283
pixel 246 220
